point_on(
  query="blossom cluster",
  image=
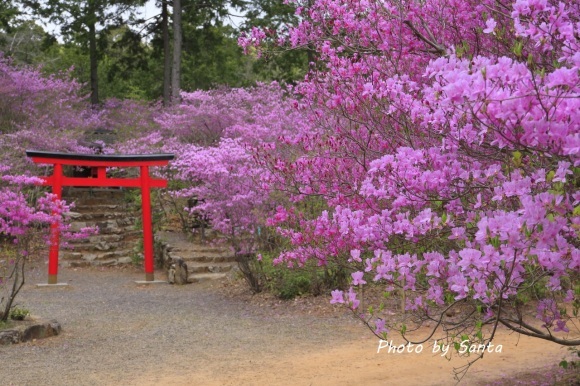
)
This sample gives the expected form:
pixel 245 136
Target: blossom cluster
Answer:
pixel 216 135
pixel 39 112
pixel 446 149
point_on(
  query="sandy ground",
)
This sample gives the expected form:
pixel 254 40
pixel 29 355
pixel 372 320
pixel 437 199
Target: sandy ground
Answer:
pixel 119 333
pixel 358 363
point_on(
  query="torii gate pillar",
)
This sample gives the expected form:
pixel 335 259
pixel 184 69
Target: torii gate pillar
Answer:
pixel 101 162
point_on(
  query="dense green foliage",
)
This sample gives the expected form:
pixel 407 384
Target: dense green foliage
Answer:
pixel 129 50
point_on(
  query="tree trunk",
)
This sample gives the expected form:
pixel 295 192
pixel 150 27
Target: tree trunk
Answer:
pixel 310 50
pixel 176 68
pixel 166 55
pixel 93 54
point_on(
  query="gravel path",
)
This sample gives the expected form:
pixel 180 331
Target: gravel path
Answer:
pixel 115 331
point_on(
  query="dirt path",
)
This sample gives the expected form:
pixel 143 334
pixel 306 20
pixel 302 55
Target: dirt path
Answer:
pixel 116 332
pixel 357 363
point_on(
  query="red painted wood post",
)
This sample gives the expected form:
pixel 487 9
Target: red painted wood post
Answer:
pixel 101 174
pixel 54 228
pixel 147 226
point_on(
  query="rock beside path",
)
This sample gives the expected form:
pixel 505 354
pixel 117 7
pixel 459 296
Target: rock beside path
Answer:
pixel 29 330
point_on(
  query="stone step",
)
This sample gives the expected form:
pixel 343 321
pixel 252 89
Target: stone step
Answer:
pixel 96 202
pixel 108 227
pixel 194 267
pixel 201 277
pixel 101 199
pixel 101 245
pixel 109 238
pixel 97 263
pixel 98 255
pixel 105 222
pixel 203 258
pixel 201 250
pixel 108 205
pixel 89 192
pixel 98 247
pixel 89 215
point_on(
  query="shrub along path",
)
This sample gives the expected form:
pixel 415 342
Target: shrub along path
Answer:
pixel 116 332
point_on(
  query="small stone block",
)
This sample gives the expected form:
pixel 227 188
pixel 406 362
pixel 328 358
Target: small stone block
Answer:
pixel 44 285
pixel 150 282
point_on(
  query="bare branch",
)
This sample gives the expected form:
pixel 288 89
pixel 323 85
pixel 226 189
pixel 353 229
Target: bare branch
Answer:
pixel 438 49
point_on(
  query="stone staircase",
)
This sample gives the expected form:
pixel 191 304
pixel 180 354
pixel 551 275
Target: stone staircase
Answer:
pixel 118 241
pixel 118 238
pixel 205 261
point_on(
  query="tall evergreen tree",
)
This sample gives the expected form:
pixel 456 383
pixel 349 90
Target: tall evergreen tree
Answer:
pixel 8 13
pixel 83 21
pixel 176 63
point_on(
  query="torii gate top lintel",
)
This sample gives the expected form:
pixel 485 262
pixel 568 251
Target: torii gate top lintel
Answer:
pixel 101 162
pixel 110 160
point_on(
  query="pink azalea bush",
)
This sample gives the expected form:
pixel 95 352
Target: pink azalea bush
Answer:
pixel 43 113
pixel 25 226
pixel 130 120
pixel 433 149
pixel 38 112
pixel 445 144
pixel 214 135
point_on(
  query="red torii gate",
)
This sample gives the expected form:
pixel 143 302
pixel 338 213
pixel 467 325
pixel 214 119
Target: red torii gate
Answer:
pixel 100 163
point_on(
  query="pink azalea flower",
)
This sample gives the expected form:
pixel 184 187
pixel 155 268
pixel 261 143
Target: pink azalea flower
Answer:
pixel 357 278
pixel 337 297
pixel 490 24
